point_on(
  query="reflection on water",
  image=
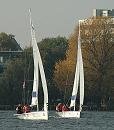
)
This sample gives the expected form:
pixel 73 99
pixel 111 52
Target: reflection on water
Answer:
pixel 89 121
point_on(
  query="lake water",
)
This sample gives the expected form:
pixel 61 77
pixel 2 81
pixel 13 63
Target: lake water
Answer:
pixel 89 121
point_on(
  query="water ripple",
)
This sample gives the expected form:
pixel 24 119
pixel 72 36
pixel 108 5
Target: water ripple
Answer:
pixel 89 121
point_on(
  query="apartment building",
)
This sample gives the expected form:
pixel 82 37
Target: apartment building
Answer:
pixel 103 12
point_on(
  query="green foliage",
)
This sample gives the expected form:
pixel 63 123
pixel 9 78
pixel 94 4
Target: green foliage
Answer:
pixel 20 69
pixel 52 50
pixel 8 42
pixel 11 82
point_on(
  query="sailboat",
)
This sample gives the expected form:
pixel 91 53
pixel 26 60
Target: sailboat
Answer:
pixel 78 84
pixel 38 67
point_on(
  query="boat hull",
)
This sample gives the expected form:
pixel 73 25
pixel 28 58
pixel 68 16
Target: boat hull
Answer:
pixel 69 114
pixel 40 115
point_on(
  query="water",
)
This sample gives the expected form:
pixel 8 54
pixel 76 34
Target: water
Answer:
pixel 89 121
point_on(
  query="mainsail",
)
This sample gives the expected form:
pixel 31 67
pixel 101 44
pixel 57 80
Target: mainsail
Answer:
pixel 79 77
pixel 38 64
pixel 35 58
pixel 81 73
pixel 76 82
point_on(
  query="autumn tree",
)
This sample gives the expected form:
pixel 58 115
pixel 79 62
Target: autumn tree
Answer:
pixel 98 48
pixel 97 42
pixel 65 69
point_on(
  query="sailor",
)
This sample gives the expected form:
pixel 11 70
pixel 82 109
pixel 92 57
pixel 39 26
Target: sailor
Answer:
pixel 19 109
pixel 65 108
pixel 59 107
pixel 26 108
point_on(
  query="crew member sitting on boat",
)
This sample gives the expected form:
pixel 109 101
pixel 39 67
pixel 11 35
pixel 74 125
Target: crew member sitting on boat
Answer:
pixel 19 109
pixel 59 107
pixel 65 108
pixel 26 108
pixel 62 107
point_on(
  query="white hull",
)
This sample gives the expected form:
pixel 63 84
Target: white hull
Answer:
pixel 40 115
pixel 69 114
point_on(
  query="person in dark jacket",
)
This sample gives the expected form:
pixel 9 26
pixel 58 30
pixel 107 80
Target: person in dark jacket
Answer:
pixel 19 109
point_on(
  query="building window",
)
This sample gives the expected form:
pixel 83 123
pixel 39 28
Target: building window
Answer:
pixel 105 13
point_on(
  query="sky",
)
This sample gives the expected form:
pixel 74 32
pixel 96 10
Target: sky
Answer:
pixel 51 18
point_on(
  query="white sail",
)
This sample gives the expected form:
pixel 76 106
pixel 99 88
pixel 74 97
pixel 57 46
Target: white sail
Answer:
pixel 81 73
pixel 38 61
pixel 35 83
pixel 36 76
pixel 79 77
pixel 76 82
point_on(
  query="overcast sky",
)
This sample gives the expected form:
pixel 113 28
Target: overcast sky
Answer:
pixel 50 17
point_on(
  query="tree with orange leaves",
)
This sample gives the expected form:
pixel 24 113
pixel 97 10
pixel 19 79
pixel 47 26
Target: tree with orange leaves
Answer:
pixel 97 40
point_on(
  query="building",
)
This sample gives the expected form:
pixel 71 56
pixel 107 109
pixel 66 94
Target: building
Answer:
pixel 103 12
pixel 9 49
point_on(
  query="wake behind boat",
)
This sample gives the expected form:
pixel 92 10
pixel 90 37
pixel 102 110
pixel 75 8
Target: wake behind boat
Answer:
pixel 71 112
pixel 38 67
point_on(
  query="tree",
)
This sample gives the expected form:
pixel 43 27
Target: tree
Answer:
pixel 65 68
pixel 52 50
pixel 8 42
pixel 11 82
pixel 98 46
pixel 97 41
